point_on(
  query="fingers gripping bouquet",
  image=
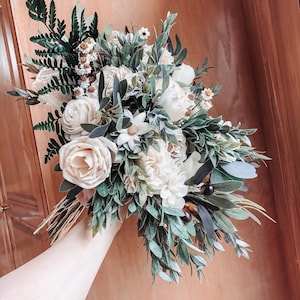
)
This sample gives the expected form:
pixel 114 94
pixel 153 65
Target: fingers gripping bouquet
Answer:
pixel 133 129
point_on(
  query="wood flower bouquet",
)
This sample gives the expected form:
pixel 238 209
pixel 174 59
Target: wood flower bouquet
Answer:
pixel 133 128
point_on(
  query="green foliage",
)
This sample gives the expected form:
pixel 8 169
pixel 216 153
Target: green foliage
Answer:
pixel 168 241
pixel 30 96
pixel 52 123
pixel 108 200
pixel 56 43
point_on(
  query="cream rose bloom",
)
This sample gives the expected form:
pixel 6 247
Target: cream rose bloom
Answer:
pixel 110 72
pixel 175 101
pixel 54 98
pixel 164 176
pixel 77 112
pixel 184 74
pixel 87 162
pixel 166 57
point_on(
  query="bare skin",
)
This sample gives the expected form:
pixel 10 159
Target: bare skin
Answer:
pixel 64 271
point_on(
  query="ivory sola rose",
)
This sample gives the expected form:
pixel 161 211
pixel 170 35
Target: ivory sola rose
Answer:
pixel 87 161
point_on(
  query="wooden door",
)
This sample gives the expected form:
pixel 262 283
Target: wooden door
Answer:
pixel 21 186
pixel 209 28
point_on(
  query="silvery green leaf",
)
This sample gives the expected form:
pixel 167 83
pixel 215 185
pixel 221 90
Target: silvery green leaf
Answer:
pixel 218 246
pixel 179 230
pixel 198 260
pixel 228 186
pixel 165 276
pixel 242 243
pixel 221 200
pixel 237 213
pixel 224 223
pixel 193 247
pixel 190 228
pixel 174 266
pixel 172 211
pixel 239 169
pixel 152 211
pixel 155 249
pixel 22 93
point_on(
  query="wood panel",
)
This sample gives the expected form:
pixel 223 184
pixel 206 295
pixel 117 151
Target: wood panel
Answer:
pixel 21 185
pixel 274 29
pixel 215 29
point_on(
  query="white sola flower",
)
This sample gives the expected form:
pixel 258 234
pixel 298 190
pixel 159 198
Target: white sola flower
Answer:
pixel 144 33
pixel 163 176
pixel 207 95
pixel 131 135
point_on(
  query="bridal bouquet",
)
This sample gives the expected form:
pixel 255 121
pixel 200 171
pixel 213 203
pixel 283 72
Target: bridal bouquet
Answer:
pixel 132 129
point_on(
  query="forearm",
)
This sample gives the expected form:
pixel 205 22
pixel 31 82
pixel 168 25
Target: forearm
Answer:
pixel 64 271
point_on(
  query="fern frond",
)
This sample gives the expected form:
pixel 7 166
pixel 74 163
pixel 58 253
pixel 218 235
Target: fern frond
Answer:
pixel 37 10
pixel 93 28
pixel 52 15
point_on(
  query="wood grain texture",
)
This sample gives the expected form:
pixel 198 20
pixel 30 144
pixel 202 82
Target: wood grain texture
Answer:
pixel 21 185
pixel 274 29
pixel 215 29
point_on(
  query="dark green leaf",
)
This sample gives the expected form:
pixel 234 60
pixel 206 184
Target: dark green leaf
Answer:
pixel 99 131
pixel 181 56
pixel 203 171
pixel 73 192
pixel 206 221
pixel 116 90
pixel 66 186
pixel 88 127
